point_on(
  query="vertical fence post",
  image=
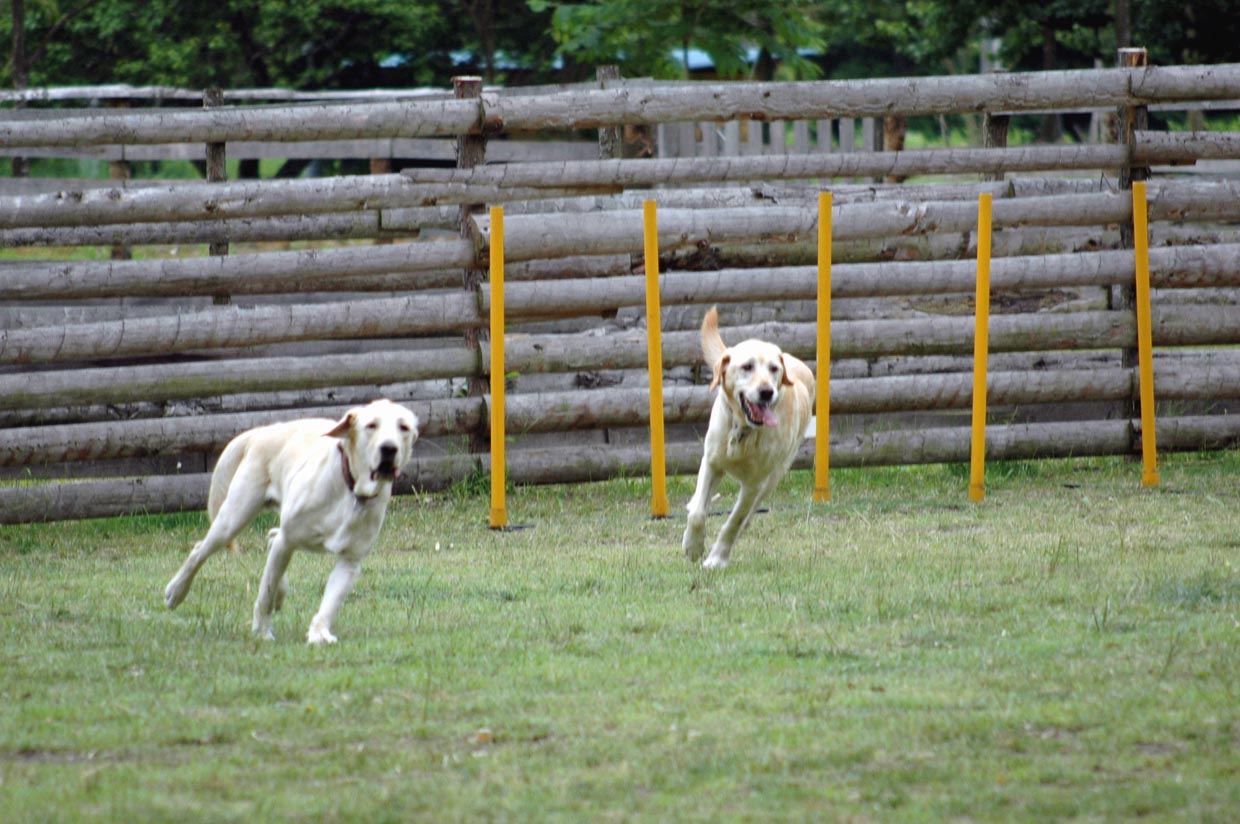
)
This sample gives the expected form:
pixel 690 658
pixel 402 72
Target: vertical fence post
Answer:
pixel 216 172
pixel 1123 296
pixel 981 346
pixel 471 151
pixel 120 170
pixel 1145 335
pixel 608 136
pixel 994 136
pixel 499 511
pixel 822 421
pixel 654 357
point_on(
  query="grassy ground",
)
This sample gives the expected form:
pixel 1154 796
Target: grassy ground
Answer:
pixel 1067 649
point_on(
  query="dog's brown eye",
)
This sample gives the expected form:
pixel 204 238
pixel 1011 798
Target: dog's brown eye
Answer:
pixel 747 366
pixel 404 427
pixel 774 369
pixel 372 425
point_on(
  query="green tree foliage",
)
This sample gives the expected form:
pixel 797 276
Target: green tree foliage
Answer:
pixel 654 36
pixel 234 43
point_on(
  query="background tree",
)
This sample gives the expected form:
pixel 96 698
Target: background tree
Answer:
pixel 654 37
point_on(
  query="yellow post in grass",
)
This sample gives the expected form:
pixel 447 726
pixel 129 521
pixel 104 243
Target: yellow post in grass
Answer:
pixel 1145 335
pixel 499 512
pixel 981 346
pixel 654 356
pixel 822 424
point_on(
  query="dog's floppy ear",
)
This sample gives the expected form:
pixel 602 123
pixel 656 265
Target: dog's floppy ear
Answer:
pixel 344 425
pixel 721 366
pixel 786 381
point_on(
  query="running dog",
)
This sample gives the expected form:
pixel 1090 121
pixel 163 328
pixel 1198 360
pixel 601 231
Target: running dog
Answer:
pixel 331 480
pixel 757 424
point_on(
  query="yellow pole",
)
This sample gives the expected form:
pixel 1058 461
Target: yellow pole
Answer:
pixel 822 427
pixel 981 346
pixel 499 512
pixel 1145 335
pixel 654 356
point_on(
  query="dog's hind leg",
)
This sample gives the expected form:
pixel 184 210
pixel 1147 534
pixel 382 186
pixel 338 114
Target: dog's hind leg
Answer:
pixel 278 554
pixel 244 501
pixel 339 583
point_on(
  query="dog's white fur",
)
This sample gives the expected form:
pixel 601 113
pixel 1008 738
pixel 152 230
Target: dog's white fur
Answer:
pixel 331 480
pixel 758 422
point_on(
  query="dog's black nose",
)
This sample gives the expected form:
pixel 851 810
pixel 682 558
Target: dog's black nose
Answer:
pixel 765 394
pixel 387 451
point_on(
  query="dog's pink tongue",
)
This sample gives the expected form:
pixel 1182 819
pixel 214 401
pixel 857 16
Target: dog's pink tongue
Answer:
pixel 767 415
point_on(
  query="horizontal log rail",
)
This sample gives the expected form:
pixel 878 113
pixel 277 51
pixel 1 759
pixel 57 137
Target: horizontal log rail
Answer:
pixel 421 315
pixel 177 493
pixel 1191 378
pixel 577 109
pixel 536 237
pixel 1188 325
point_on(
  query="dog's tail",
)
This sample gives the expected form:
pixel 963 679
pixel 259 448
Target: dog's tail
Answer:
pixel 713 346
pixel 221 479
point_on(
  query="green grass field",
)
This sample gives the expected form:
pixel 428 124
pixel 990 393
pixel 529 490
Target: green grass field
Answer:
pixel 1069 648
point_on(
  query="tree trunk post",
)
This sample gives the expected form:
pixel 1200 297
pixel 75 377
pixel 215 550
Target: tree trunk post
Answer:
pixel 1123 297
pixel 120 170
pixel 471 151
pixel 20 164
pixel 994 136
pixel 381 166
pixel 608 136
pixel 217 172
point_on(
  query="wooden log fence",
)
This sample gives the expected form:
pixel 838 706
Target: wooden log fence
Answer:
pixel 566 216
pixel 534 237
pixel 1173 326
pixel 1178 379
pixel 421 315
pixel 491 113
pixel 174 493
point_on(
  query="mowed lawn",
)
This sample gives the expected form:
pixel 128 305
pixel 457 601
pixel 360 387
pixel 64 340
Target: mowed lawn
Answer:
pixel 1068 648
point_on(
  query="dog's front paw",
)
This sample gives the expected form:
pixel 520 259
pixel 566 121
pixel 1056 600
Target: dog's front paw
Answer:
pixel 263 629
pixel 174 594
pixel 715 561
pixel 319 636
pixel 319 633
pixel 693 546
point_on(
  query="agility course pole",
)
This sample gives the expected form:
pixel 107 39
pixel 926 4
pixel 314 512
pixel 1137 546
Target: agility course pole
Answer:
pixel 981 346
pixel 654 357
pixel 499 512
pixel 822 401
pixel 1145 335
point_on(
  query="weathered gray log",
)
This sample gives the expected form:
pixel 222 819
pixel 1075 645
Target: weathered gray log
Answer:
pixel 532 236
pixel 275 271
pixel 1169 147
pixel 230 326
pixel 591 109
pixel 1173 326
pixel 1181 266
pixel 1200 379
pixel 266 198
pixel 376 222
pixel 174 381
pixel 98 499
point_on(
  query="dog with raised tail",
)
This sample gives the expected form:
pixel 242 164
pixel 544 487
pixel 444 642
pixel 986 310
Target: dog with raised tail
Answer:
pixel 757 424
pixel 331 480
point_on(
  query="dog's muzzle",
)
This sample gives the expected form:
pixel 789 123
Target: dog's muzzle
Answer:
pixel 386 470
pixel 759 413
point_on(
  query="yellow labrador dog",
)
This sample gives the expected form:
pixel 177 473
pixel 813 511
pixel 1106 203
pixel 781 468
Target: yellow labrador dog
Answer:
pixel 757 424
pixel 331 480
